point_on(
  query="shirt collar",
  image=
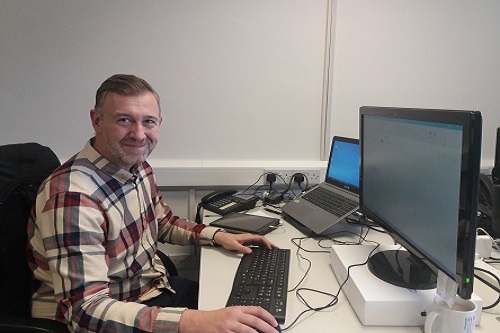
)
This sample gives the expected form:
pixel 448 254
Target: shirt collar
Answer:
pixel 101 163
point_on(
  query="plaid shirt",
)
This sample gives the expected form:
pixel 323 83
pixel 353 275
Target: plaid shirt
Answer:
pixel 92 243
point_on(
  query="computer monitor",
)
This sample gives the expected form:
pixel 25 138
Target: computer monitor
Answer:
pixel 419 180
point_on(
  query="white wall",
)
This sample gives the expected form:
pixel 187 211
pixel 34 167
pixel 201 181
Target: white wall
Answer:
pixel 242 81
pixel 423 54
pixel 238 79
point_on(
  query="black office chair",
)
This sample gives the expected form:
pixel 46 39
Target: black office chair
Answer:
pixel 22 169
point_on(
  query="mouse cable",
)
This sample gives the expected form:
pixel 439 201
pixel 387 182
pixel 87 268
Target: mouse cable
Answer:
pixel 299 291
pixel 335 297
pixel 297 253
pixel 309 307
pixel 356 265
pixel 298 242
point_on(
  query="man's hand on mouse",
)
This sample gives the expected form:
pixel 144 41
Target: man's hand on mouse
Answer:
pixel 231 319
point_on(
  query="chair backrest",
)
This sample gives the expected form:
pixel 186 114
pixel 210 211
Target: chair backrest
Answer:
pixel 23 167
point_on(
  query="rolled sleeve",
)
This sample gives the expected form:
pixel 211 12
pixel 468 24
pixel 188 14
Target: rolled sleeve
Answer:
pixel 168 320
pixel 207 235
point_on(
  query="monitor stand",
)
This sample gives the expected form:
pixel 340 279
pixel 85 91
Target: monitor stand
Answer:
pixel 401 268
pixel 377 302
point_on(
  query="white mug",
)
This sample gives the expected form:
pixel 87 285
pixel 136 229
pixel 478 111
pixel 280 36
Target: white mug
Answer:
pixel 460 318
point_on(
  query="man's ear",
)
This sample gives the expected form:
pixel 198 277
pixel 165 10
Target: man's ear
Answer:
pixel 94 118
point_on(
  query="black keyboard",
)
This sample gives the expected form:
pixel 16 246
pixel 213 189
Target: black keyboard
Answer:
pixel 331 201
pixel 262 280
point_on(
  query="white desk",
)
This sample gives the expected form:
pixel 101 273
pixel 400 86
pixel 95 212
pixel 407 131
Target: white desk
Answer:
pixel 218 267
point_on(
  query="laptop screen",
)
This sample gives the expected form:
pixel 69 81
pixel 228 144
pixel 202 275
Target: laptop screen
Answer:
pixel 343 166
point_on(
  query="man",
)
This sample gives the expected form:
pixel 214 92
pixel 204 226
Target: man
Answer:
pixel 96 225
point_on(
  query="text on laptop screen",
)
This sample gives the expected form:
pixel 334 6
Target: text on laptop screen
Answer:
pixel 344 163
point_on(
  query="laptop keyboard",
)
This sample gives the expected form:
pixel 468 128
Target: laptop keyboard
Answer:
pixel 262 280
pixel 331 201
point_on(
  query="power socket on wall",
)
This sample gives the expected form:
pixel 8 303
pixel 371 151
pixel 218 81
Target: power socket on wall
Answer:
pixel 313 176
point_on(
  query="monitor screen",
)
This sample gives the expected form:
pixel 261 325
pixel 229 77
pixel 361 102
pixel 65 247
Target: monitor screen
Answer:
pixel 419 180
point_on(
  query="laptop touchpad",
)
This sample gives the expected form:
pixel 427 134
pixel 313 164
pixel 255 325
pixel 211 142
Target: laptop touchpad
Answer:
pixel 303 209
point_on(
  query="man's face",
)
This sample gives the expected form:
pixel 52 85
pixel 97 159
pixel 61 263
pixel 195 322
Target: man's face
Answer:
pixel 128 129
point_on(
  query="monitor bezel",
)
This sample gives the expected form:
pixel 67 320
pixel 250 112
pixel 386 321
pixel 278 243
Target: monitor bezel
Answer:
pixel 472 134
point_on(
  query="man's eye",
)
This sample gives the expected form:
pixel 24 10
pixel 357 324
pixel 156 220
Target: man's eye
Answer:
pixel 124 121
pixel 150 123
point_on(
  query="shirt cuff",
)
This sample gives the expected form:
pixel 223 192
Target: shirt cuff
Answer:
pixel 167 320
pixel 207 235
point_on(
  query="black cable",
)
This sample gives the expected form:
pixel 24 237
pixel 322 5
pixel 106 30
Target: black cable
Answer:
pixel 303 300
pixel 290 182
pixel 362 234
pixel 361 239
pixel 305 274
pixel 260 187
pixel 289 186
pixel 282 179
pixel 309 308
pixel 299 245
pixel 357 265
pixel 271 178
pixel 250 186
pixel 299 290
pixel 492 260
pixel 298 181
pixel 256 191
pixel 297 241
pixel 370 224
pixel 335 297
pixel 497 289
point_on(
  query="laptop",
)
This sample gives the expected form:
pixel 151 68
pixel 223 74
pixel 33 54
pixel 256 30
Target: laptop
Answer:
pixel 317 211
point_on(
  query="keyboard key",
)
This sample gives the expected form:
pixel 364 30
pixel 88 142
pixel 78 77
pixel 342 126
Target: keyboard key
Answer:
pixel 330 201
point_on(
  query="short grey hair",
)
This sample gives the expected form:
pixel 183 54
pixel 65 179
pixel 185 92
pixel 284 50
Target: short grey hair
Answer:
pixel 123 84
